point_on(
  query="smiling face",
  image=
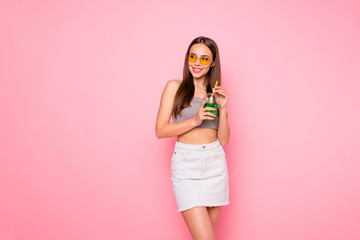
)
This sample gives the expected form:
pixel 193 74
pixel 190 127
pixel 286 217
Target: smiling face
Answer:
pixel 200 68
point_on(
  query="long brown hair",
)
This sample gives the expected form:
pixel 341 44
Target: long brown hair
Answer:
pixel 186 91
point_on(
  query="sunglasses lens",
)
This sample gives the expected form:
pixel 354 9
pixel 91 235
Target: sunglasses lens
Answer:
pixel 204 60
pixel 192 58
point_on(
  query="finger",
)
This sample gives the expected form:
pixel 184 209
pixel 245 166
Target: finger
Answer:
pixel 209 114
pixel 210 108
pixel 207 117
pixel 203 103
pixel 220 91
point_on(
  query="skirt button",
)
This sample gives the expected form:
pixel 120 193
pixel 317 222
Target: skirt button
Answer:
pixel 203 146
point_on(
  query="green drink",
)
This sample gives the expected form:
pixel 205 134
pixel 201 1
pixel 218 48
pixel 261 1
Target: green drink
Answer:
pixel 211 103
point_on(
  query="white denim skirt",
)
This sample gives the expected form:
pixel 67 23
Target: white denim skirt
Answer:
pixel 199 175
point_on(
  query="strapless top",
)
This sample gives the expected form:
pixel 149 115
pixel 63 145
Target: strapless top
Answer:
pixel 190 112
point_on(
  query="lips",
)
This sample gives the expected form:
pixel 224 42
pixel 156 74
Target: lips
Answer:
pixel 197 70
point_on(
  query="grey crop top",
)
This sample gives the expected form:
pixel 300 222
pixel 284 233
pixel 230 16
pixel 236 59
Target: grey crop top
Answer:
pixel 190 112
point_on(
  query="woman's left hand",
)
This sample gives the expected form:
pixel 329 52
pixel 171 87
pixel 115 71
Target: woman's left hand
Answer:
pixel 221 95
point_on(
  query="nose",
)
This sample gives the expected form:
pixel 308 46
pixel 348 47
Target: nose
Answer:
pixel 197 63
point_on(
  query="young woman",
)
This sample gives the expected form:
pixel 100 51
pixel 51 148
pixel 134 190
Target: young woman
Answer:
pixel 198 166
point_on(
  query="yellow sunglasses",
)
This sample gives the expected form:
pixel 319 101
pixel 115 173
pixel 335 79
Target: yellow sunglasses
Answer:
pixel 204 60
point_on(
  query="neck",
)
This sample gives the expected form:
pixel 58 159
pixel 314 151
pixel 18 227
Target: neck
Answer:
pixel 200 82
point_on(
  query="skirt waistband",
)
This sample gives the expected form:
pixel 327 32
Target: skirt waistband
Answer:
pixel 207 146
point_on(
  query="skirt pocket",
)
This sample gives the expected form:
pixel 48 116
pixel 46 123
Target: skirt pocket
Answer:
pixel 219 163
pixel 180 155
pixel 220 153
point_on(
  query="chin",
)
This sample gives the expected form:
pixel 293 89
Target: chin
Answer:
pixel 196 75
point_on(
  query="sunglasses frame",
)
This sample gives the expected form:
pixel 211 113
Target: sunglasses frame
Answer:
pixel 198 58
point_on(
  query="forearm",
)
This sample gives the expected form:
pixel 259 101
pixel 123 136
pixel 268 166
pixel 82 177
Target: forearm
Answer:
pixel 175 129
pixel 223 129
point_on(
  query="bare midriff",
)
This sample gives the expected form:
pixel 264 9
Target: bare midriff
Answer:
pixel 198 136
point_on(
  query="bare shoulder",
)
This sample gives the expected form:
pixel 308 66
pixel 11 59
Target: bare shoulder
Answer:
pixel 167 101
pixel 173 83
pixel 171 87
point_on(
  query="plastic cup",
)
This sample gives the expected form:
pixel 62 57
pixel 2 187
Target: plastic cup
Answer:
pixel 212 102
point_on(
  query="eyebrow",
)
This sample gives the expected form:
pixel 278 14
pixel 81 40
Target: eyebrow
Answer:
pixel 201 55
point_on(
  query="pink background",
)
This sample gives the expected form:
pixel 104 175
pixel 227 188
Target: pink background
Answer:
pixel 80 87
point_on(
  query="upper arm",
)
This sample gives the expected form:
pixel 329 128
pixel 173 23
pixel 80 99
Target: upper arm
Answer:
pixel 167 102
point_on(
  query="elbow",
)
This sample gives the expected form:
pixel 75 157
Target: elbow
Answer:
pixel 159 136
pixel 158 133
pixel 223 143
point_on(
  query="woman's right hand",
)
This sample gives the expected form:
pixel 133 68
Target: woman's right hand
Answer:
pixel 202 115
